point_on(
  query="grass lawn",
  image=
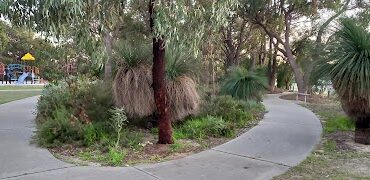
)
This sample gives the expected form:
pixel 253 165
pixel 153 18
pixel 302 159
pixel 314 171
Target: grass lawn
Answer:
pixel 337 156
pixel 7 96
pixel 20 87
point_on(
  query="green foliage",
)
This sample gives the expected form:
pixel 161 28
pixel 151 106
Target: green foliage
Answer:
pixel 132 54
pixel 175 147
pixel 238 112
pixel 59 129
pixel 90 134
pixel 339 123
pixel 180 61
pixel 93 96
pixel 66 109
pixel 203 127
pixel 330 146
pixel 132 139
pixel 284 76
pixel 116 156
pixel 348 63
pixel 241 84
pixel 3 37
pixel 118 121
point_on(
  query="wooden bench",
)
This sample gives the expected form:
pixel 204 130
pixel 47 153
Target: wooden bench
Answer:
pixel 302 94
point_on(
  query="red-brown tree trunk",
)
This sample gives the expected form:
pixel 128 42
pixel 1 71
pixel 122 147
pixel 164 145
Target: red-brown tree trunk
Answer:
pixel 159 85
pixel 362 132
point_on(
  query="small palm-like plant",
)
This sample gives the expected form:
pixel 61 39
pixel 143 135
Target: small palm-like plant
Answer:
pixel 243 84
pixel 348 67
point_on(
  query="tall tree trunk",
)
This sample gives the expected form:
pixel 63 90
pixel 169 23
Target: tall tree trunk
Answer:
pixel 230 50
pixel 362 132
pixel 319 45
pixel 297 71
pixel 272 67
pixel 108 41
pixel 159 85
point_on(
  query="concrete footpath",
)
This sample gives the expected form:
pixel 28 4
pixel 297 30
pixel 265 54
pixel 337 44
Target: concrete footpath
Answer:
pixel 284 138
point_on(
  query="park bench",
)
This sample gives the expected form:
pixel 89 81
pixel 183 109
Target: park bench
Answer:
pixel 302 94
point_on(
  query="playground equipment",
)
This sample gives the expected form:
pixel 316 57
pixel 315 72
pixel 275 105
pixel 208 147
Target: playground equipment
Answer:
pixel 18 73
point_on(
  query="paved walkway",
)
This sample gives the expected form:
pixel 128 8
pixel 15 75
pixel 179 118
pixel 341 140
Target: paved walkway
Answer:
pixel 283 138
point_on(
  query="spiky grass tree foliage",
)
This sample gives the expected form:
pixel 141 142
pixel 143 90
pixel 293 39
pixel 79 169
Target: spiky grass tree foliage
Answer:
pixel 182 93
pixel 349 70
pixel 243 84
pixel 133 83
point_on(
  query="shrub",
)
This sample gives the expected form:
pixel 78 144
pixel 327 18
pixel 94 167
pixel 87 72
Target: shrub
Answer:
pixel 116 156
pixel 52 98
pixel 200 128
pixel 74 110
pixel 59 129
pixel 76 94
pixel 238 112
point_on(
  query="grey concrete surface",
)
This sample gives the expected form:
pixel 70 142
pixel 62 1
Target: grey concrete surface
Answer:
pixel 286 135
pixel 282 139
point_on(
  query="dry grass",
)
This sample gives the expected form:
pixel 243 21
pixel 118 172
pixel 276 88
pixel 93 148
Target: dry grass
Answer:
pixel 132 89
pixel 183 96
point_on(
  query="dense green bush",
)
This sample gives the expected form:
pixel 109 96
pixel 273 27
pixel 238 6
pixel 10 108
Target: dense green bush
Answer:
pixel 238 112
pixel 59 129
pixel 74 110
pixel 93 97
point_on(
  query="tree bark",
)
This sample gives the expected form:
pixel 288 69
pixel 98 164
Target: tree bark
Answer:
pixel 159 84
pixel 297 71
pixel 362 132
pixel 272 67
pixel 108 41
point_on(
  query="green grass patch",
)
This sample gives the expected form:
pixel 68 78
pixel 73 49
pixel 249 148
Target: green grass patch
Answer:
pixel 203 127
pixel 21 87
pixel 339 123
pixel 8 96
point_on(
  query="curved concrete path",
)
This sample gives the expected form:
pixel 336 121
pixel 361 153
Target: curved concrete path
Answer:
pixel 282 139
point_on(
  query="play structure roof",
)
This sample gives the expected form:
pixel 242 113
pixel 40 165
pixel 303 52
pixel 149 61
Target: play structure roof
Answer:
pixel 28 57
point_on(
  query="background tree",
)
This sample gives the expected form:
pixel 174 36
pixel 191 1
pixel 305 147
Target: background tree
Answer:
pixel 287 12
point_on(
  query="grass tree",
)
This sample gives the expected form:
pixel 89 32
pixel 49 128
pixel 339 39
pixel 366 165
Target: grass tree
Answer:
pixel 176 21
pixel 348 67
pixel 243 84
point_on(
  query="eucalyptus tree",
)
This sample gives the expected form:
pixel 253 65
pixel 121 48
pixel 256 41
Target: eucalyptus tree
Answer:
pixel 235 36
pixel 288 13
pixel 90 21
pixel 3 37
pixel 176 21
